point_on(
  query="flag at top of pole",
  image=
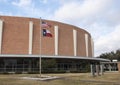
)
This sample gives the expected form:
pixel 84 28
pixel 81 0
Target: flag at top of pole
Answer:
pixel 46 32
pixel 45 25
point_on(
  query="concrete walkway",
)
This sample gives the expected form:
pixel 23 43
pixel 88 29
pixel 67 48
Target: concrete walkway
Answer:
pixel 43 78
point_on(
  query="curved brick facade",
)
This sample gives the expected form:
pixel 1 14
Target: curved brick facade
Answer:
pixel 15 38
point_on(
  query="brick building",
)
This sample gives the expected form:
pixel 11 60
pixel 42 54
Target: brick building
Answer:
pixel 23 41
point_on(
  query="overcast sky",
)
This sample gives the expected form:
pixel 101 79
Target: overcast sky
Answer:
pixel 101 18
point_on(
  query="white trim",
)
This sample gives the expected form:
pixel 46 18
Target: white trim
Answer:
pixel 30 37
pixel 75 42
pixel 56 39
pixel 47 56
pixel 86 44
pixel 92 47
pixel 1 31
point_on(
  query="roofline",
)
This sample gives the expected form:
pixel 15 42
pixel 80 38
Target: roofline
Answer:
pixel 37 18
pixel 54 56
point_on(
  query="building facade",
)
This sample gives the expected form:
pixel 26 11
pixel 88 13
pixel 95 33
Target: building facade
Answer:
pixel 23 40
pixel 20 35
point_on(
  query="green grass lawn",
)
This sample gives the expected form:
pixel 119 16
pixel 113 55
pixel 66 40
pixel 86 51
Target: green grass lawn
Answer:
pixel 111 78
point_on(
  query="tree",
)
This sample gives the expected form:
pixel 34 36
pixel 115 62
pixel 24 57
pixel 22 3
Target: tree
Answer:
pixel 118 54
pixel 111 55
pixel 48 65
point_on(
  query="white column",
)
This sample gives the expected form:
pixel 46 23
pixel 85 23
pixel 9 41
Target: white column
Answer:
pixel 75 42
pixel 101 69
pixel 1 30
pixel 97 70
pixel 92 45
pixel 92 70
pixel 56 39
pixel 110 67
pixel 30 37
pixel 86 44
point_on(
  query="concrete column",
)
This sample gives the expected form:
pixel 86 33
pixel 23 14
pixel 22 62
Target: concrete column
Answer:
pixel 118 65
pixel 101 69
pixel 30 37
pixel 86 44
pixel 75 42
pixel 56 39
pixel 92 70
pixel 92 45
pixel 109 67
pixel 1 31
pixel 97 70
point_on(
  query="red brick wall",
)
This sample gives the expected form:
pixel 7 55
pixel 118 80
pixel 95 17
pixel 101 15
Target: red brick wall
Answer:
pixel 16 37
pixel 81 51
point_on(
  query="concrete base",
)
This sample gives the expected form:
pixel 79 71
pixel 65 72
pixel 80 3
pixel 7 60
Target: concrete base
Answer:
pixel 42 78
pixel 118 66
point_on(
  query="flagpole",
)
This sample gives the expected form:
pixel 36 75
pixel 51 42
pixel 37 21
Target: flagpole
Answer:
pixel 40 47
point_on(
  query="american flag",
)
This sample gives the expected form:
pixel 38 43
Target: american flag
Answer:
pixel 45 25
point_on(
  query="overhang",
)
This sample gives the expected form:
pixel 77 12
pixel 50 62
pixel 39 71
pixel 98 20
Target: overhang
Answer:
pixel 54 56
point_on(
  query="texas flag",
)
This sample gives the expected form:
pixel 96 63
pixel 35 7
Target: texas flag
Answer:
pixel 46 33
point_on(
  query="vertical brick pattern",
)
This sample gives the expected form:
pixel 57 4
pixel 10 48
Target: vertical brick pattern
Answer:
pixel 81 50
pixel 66 40
pixel 36 36
pixel 16 37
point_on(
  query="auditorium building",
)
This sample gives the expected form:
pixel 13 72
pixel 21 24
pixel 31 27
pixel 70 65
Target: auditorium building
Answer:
pixel 25 42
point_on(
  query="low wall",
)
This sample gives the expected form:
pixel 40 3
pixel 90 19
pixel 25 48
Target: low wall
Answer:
pixel 119 66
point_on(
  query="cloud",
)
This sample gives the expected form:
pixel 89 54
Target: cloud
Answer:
pixel 44 1
pixel 7 14
pixel 88 9
pixel 108 42
pixel 22 3
pixel 113 16
pixel 3 0
pixel 99 17
pixel 26 8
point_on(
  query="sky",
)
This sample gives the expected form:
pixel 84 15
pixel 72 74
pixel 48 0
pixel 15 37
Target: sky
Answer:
pixel 101 18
